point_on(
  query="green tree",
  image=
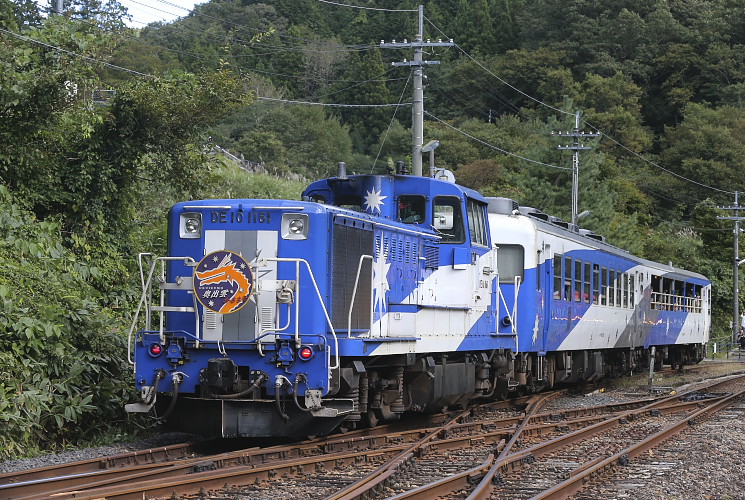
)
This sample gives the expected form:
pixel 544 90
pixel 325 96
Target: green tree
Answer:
pixel 709 144
pixel 365 124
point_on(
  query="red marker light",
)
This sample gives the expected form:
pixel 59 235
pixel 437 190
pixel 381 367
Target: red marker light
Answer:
pixel 155 349
pixel 305 353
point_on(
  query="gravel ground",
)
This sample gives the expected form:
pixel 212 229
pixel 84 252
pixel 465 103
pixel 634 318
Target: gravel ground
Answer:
pixel 164 439
pixel 615 391
pixel 711 468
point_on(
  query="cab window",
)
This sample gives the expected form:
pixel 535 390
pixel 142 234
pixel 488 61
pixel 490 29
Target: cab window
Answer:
pixel 447 219
pixel 476 222
pixel 411 209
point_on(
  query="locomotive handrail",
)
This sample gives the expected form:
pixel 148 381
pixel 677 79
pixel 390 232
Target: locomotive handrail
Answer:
pixel 513 315
pixel 320 299
pixel 354 292
pixel 269 331
pixel 146 292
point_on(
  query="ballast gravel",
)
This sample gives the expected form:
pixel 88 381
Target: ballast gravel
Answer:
pixel 716 469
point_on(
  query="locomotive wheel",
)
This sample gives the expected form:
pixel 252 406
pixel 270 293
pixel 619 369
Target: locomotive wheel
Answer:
pixel 500 393
pixel 370 419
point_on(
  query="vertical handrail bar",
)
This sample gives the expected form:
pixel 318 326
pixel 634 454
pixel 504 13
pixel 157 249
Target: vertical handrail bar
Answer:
pixel 354 292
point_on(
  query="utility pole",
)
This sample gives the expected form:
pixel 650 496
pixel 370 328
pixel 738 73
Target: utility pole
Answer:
pixel 57 6
pixel 736 265
pixel 575 147
pixel 417 65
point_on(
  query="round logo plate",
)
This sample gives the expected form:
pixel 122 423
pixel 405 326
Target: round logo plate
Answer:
pixel 223 281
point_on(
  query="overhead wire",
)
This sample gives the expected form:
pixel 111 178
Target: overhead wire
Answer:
pixel 385 136
pixel 198 13
pixel 647 160
pixel 504 151
pixel 700 184
pixel 333 105
pixel 70 52
pixel 120 68
pixel 366 8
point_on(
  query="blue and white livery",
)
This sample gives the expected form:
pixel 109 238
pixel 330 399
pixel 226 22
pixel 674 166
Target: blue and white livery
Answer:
pixel 382 294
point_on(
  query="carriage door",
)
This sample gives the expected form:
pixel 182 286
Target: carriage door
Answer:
pixel 545 292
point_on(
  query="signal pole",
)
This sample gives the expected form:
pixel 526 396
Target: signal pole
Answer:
pixel 736 263
pixel 417 65
pixel 575 147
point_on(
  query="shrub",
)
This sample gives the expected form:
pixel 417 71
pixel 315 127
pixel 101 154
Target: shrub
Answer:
pixel 62 355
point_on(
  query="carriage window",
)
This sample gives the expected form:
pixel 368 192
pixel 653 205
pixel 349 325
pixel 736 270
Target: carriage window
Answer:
pixel 632 284
pixel 696 298
pixel 612 287
pixel 625 290
pixel 577 280
pixel 619 286
pixel 558 277
pixel 567 278
pixel 595 283
pixel 476 222
pixel 510 262
pixel 604 295
pixel 586 292
pixel 411 209
pixel 447 219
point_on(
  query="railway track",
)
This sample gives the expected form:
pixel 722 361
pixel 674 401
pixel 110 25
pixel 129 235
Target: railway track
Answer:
pixel 512 449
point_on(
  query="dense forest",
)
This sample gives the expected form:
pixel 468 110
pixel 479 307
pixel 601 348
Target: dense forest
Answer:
pixel 104 126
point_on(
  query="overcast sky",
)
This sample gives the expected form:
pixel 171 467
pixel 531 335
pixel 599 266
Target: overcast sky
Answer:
pixel 147 11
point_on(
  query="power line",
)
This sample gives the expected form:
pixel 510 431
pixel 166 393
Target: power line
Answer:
pixel 60 49
pixel 389 124
pixel 197 12
pixel 494 147
pixel 658 166
pixel 357 84
pixel 588 123
pixel 365 8
pixel 324 79
pixel 334 105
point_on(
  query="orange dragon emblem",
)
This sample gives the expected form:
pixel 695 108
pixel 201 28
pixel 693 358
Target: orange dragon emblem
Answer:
pixel 223 282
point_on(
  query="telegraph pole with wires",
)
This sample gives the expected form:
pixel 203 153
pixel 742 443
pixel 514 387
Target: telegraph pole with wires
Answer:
pixel 417 66
pixel 575 147
pixel 736 264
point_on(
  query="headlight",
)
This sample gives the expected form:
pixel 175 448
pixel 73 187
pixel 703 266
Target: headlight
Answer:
pixel 297 226
pixel 190 225
pixel 294 226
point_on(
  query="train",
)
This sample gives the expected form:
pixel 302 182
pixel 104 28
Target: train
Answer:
pixel 375 296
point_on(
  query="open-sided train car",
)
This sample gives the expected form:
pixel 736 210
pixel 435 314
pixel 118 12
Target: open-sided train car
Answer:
pixel 381 294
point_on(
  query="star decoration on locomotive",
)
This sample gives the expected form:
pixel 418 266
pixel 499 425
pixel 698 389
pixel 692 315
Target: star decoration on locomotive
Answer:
pixel 380 281
pixel 374 200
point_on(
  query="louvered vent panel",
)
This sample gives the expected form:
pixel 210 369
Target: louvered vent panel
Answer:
pixel 431 256
pixel 350 241
pixel 267 322
pixel 210 319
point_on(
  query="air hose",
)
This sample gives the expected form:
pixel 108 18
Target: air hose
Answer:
pixel 294 391
pixel 176 381
pixel 278 383
pixel 243 393
pixel 159 375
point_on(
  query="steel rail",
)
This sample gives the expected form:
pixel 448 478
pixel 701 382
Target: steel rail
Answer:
pixel 580 476
pixel 152 481
pixel 485 487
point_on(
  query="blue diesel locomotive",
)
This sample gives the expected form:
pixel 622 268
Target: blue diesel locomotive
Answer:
pixel 381 294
